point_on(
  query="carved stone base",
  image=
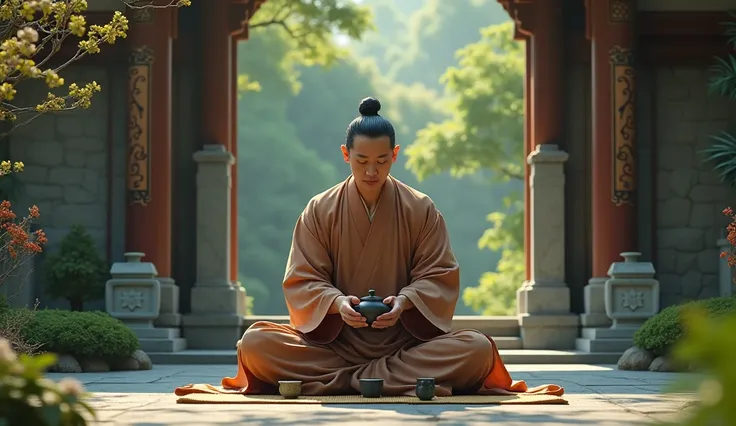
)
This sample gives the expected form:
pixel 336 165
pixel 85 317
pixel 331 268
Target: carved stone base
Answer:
pixel 212 331
pixel 556 332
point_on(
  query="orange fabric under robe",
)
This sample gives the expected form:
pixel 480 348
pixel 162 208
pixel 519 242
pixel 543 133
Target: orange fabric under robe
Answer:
pixel 337 250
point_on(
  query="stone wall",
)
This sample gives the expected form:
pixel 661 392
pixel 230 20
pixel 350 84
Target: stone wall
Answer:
pixel 66 163
pixel 690 197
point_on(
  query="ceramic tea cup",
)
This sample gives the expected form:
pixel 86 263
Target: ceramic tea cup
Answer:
pixel 371 388
pixel 425 388
pixel 290 389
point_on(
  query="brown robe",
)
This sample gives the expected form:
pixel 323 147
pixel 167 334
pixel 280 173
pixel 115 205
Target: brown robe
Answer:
pixel 336 251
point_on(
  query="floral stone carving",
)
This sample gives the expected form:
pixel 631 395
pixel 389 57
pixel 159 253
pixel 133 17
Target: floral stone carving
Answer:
pixel 133 295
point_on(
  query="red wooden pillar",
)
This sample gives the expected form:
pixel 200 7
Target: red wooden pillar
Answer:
pixel 527 150
pixel 611 26
pixel 540 24
pixel 234 172
pixel 216 74
pixel 547 68
pixel 148 218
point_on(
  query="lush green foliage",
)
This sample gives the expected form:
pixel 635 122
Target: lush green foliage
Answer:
pixel 661 332
pixel 709 344
pixel 83 334
pixel 27 398
pixel 76 272
pixel 723 82
pixel 293 116
pixel 485 132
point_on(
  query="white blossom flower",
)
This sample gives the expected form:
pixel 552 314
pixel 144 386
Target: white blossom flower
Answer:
pixel 7 355
pixel 71 386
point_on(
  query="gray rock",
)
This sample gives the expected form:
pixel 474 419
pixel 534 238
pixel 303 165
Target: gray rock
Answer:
pixel 636 359
pixel 94 365
pixel 144 362
pixel 662 364
pixel 67 364
pixel 125 364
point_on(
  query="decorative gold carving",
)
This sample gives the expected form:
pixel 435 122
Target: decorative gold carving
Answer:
pixel 621 10
pixel 623 125
pixel 139 126
pixel 632 299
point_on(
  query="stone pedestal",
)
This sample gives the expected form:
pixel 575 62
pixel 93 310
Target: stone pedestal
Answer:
pixel 631 296
pixel 133 295
pixel 544 301
pixel 218 306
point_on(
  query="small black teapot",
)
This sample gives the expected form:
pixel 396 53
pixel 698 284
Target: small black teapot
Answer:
pixel 371 307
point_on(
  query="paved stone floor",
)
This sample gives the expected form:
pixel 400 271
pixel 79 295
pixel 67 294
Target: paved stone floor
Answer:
pixel 598 395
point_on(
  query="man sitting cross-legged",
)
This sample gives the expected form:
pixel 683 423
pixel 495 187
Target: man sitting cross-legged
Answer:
pixel 370 232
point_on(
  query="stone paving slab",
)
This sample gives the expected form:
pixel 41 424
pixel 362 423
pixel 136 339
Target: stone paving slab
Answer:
pixel 598 395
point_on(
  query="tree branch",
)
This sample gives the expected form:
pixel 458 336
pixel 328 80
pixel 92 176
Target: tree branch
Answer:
pixel 510 174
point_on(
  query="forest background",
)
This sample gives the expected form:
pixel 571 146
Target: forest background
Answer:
pixel 449 76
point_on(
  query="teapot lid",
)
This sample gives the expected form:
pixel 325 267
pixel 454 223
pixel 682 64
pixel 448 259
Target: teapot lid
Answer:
pixel 371 297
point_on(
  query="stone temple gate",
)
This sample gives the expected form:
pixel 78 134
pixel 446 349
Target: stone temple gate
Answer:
pixel 617 107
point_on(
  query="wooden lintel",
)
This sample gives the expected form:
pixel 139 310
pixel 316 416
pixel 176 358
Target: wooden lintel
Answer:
pixel 692 24
pixel 241 11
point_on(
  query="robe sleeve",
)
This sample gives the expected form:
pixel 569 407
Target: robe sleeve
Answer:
pixel 307 285
pixel 434 285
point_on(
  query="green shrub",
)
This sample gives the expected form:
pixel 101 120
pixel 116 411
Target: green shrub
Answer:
pixel 84 334
pixel 27 398
pixel 660 332
pixel 77 271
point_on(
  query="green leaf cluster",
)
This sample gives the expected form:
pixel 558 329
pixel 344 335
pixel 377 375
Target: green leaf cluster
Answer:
pixel 660 333
pixel 722 153
pixel 484 132
pixel 27 398
pixel 709 344
pixel 76 272
pixel 80 334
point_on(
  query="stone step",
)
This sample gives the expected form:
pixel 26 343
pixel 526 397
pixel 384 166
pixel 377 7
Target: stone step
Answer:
pixel 603 345
pixel 608 333
pixel 497 326
pixel 174 345
pixel 509 356
pixel 157 333
pixel 507 342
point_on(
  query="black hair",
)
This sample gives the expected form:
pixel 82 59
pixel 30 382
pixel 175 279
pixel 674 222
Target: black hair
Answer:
pixel 369 123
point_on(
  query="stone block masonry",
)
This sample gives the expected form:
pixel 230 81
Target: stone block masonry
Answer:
pixel 690 196
pixel 65 156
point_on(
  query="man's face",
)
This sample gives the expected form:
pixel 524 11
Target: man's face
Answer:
pixel 370 161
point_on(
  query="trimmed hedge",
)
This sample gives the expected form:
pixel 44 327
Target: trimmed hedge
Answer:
pixel 81 334
pixel 660 332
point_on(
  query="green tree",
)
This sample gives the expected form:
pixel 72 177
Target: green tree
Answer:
pixel 430 36
pixel 277 173
pixel 484 132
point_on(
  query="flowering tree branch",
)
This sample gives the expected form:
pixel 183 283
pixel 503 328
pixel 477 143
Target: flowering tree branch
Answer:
pixel 33 31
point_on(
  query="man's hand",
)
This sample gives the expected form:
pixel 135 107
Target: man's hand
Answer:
pixel 398 305
pixel 345 309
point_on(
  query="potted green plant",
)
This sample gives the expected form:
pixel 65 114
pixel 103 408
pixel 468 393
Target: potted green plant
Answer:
pixel 76 272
